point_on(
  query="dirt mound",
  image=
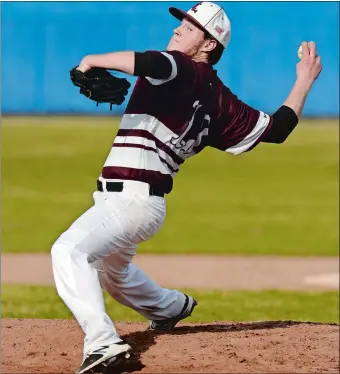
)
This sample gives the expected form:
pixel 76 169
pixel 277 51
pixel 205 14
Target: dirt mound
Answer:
pixel 55 346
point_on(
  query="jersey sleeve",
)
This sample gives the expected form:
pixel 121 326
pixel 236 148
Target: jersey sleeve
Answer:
pixel 182 69
pixel 239 127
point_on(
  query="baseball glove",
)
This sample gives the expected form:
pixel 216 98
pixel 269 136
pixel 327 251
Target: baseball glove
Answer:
pixel 99 85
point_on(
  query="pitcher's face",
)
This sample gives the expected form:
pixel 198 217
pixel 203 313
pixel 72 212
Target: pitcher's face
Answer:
pixel 187 38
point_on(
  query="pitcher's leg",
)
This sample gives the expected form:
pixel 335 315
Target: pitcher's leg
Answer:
pixel 78 285
pixel 94 235
pixel 129 285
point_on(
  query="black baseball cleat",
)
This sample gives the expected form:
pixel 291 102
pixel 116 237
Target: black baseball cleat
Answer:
pixel 100 359
pixel 169 323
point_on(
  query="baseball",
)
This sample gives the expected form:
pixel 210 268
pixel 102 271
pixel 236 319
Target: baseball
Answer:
pixel 299 53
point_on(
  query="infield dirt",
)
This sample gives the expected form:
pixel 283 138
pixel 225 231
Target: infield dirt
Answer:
pixel 55 346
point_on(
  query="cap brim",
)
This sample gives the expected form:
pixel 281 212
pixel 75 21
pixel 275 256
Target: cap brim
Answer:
pixel 180 14
pixel 177 13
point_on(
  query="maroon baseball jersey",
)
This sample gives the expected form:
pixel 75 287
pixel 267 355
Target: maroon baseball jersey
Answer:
pixel 169 120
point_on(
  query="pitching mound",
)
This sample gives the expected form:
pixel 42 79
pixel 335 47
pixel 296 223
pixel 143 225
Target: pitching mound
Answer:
pixel 55 346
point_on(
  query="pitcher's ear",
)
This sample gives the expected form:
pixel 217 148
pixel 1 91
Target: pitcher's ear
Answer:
pixel 209 45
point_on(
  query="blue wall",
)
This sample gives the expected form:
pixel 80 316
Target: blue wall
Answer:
pixel 42 41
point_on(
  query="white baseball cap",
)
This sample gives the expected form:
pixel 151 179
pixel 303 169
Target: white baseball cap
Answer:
pixel 209 16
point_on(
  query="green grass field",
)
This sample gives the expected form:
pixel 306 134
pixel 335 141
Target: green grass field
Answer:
pixel 43 302
pixel 277 199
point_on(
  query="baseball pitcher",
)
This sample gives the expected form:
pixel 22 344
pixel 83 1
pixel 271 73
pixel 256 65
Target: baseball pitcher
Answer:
pixel 178 107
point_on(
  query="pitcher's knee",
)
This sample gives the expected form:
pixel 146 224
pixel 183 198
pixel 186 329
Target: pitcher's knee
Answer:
pixel 58 252
pixel 61 249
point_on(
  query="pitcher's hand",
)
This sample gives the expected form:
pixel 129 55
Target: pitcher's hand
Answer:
pixel 309 67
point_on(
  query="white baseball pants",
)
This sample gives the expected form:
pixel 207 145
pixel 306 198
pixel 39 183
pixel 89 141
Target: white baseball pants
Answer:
pixel 97 251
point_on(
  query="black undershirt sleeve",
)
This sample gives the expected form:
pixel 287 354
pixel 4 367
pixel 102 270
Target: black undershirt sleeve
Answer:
pixel 284 122
pixel 152 64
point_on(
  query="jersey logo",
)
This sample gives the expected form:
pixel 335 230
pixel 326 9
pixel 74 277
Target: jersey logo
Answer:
pixel 197 127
